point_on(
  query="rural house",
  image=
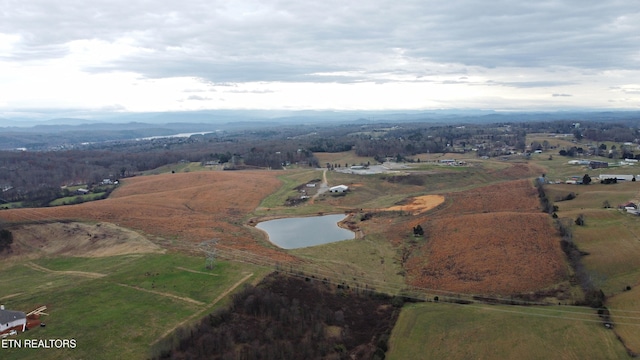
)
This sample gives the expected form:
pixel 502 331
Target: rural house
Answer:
pixel 339 189
pixel 12 320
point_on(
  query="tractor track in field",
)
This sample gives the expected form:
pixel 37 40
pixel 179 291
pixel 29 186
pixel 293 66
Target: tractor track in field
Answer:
pixel 86 274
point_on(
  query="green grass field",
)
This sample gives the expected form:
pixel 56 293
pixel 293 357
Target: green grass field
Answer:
pixel 610 236
pixel 450 331
pixel 120 315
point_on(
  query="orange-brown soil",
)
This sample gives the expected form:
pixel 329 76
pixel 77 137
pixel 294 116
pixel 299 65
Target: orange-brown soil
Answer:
pixel 183 208
pixel 420 204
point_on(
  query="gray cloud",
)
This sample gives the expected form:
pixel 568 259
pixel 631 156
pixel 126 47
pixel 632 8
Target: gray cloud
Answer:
pixel 283 40
pixel 482 51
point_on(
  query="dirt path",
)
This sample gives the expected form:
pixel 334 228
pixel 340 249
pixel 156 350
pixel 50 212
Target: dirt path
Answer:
pixel 324 187
pixel 183 298
pixel 91 275
pixel 199 313
pixel 195 271
pixel 10 296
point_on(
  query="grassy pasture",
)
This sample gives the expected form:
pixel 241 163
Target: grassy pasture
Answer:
pixel 449 331
pixel 610 236
pixel 612 239
pixel 76 199
pixel 119 315
pixel 372 258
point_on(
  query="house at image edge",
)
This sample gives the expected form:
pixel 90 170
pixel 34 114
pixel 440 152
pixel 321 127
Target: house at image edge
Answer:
pixel 10 320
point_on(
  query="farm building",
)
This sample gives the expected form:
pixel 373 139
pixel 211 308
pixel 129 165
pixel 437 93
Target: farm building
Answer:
pixel 618 177
pixel 12 320
pixel 339 189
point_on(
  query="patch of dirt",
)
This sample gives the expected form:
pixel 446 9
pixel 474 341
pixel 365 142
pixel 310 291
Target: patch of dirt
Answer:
pixel 419 205
pixel 78 239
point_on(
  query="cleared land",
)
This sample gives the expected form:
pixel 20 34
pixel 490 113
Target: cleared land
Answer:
pixel 419 204
pixel 78 239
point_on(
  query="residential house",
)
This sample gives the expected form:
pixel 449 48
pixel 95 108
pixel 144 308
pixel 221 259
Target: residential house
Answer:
pixel 12 320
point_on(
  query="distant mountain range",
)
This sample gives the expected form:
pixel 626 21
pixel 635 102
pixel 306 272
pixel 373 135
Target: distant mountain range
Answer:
pixel 234 118
pixel 32 134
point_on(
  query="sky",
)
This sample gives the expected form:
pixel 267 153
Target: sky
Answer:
pixel 72 56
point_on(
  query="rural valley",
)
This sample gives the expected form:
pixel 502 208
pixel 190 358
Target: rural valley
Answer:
pixel 471 239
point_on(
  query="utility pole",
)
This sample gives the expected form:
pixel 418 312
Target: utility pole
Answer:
pixel 209 249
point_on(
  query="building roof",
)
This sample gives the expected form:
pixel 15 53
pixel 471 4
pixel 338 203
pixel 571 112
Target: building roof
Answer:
pixel 7 316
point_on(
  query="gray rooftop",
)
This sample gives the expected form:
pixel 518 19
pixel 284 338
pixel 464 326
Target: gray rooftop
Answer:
pixel 7 316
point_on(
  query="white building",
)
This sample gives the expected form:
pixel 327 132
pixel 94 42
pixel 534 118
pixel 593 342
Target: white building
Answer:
pixel 619 177
pixel 12 320
pixel 339 189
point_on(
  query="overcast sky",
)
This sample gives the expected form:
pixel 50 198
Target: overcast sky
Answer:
pixel 132 55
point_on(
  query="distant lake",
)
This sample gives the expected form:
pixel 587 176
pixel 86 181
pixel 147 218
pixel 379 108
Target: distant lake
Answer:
pixel 293 233
pixel 176 135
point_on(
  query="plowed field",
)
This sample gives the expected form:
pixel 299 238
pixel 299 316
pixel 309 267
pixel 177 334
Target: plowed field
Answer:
pixel 186 208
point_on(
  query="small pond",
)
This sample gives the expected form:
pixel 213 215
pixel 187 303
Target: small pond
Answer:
pixel 293 233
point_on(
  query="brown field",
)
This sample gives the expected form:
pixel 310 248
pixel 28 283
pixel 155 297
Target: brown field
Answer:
pixel 518 196
pixel 491 240
pixel 181 208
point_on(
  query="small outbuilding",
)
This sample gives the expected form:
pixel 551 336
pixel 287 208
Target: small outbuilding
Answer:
pixel 12 320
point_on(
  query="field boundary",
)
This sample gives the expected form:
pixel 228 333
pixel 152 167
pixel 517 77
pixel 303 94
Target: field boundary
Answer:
pixel 195 271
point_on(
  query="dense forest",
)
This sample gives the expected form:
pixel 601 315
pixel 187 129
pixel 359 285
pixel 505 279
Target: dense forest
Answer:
pixel 287 317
